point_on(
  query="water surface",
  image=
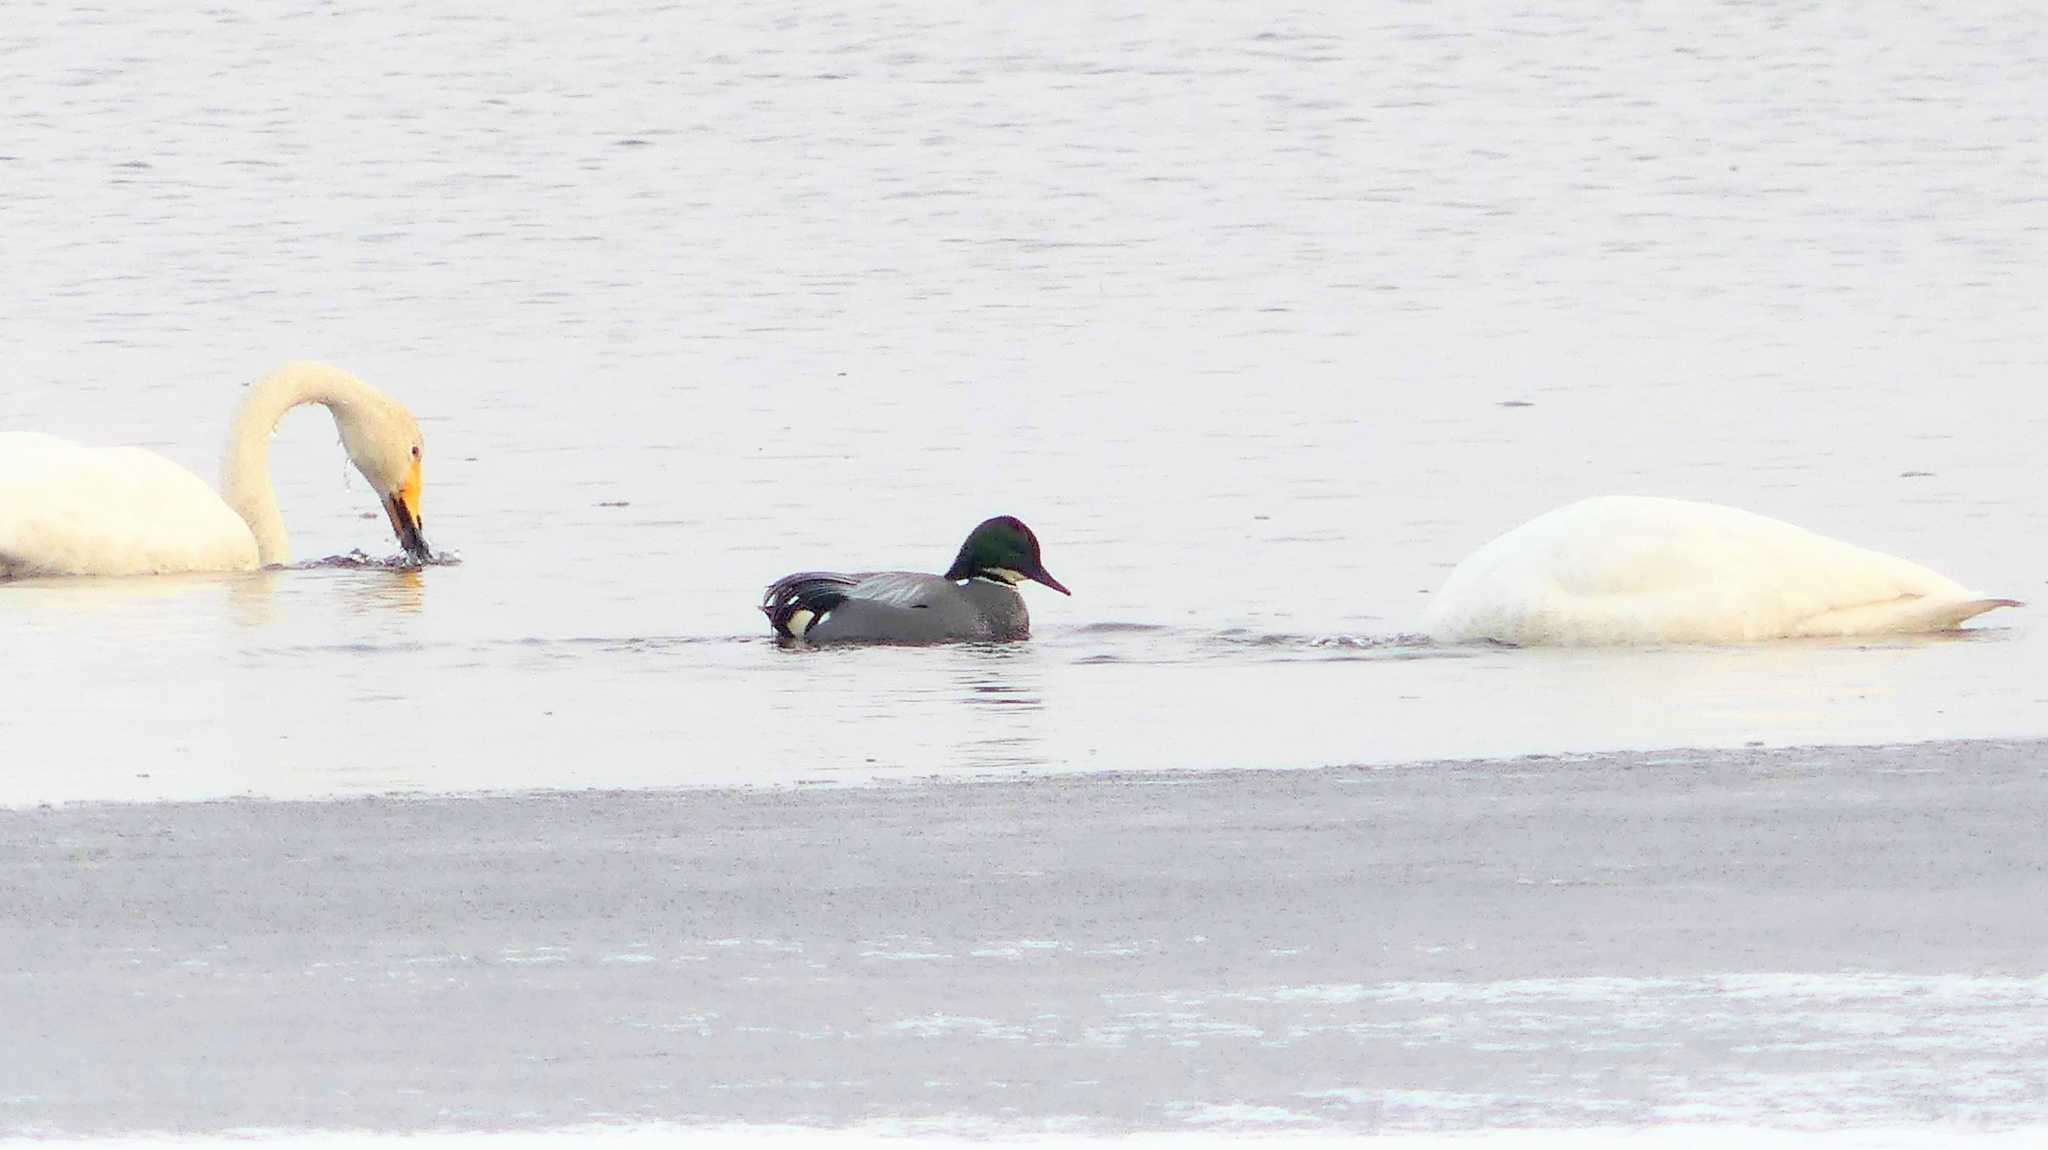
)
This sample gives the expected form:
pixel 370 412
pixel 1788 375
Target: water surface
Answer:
pixel 1262 319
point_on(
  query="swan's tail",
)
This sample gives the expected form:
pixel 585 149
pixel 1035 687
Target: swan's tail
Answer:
pixel 1907 613
pixel 1975 607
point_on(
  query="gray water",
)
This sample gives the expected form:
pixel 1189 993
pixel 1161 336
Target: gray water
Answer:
pixel 1229 305
pixel 1263 318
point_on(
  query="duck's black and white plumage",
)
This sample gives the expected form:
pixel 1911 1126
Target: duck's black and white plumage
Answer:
pixel 975 599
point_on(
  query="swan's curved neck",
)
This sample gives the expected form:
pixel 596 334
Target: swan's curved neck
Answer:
pixel 245 470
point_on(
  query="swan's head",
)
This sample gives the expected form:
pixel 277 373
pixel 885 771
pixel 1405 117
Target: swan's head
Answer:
pixel 384 442
pixel 1005 550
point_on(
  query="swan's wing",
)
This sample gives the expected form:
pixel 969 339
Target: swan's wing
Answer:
pixel 1635 570
pixel 1902 615
pixel 877 606
pixel 67 509
pixel 1628 546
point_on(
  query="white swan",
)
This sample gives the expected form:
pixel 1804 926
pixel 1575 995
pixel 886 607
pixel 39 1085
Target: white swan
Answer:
pixel 67 509
pixel 1627 569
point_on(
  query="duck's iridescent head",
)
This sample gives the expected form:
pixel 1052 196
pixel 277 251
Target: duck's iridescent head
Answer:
pixel 1005 550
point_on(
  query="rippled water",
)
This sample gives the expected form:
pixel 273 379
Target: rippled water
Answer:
pixel 1261 319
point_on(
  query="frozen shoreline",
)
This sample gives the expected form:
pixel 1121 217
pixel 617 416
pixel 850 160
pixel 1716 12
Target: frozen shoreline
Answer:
pixel 1678 1137
pixel 1818 938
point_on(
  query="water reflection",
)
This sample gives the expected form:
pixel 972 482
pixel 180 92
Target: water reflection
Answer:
pixel 252 598
pixel 256 598
pixel 1002 697
pixel 103 594
pixel 402 589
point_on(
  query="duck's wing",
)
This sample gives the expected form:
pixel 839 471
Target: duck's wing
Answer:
pixel 794 602
pixel 874 606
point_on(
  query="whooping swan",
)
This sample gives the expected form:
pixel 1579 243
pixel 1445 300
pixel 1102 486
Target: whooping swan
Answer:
pixel 68 509
pixel 1634 570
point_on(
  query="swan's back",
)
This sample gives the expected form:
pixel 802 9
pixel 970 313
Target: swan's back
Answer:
pixel 1635 570
pixel 68 509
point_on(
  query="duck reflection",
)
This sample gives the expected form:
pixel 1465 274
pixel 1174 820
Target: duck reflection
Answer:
pixel 1002 688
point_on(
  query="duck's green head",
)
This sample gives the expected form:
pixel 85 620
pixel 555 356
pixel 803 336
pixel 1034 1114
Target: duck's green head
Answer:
pixel 1005 550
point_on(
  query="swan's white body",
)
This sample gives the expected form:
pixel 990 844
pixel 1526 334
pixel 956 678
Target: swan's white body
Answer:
pixel 69 509
pixel 1634 570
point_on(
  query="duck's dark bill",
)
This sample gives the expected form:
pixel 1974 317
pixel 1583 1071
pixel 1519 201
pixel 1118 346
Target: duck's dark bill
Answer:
pixel 408 530
pixel 1045 577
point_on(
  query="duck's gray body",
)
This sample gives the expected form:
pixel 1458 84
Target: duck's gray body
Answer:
pixel 894 607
